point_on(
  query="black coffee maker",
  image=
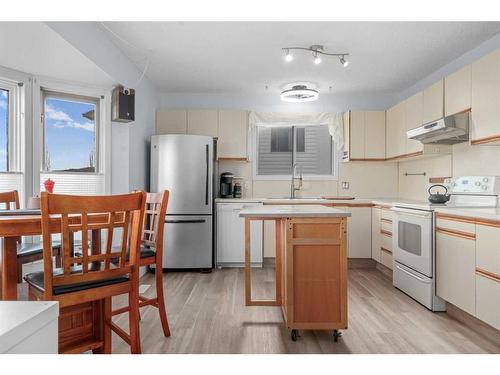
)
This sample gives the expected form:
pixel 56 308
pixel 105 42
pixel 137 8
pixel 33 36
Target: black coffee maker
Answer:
pixel 226 185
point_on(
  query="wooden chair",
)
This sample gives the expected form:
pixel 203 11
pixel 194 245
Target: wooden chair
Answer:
pixel 26 252
pixel 85 284
pixel 152 253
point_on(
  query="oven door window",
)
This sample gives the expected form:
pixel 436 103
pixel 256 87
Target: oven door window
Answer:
pixel 410 237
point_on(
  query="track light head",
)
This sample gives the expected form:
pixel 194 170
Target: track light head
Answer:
pixel 317 59
pixel 344 62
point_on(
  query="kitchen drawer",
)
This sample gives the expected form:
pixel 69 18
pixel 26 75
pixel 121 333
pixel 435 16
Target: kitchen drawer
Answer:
pixel 461 226
pixel 386 241
pixel 386 258
pixel 488 248
pixel 488 300
pixel 386 213
pixel 386 226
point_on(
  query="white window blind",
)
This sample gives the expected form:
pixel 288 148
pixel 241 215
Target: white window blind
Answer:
pixel 73 183
pixel 310 148
pixel 12 181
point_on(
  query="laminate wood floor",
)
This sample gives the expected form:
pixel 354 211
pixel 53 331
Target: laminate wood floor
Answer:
pixel 207 315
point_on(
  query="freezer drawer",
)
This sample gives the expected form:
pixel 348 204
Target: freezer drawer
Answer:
pixel 187 242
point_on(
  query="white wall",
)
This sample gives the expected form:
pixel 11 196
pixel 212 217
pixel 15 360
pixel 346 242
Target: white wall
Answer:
pixel 94 43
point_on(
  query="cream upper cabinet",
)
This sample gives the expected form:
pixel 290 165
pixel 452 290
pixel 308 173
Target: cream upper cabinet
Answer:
pixel 365 135
pixel 433 102
pixel 375 135
pixel 346 118
pixel 171 122
pixel 233 129
pixel 413 119
pixel 202 122
pixel 486 99
pixel 396 131
pixel 357 135
pixel 455 268
pixel 457 91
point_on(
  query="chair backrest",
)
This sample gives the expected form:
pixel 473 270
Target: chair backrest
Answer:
pixel 67 214
pixel 154 220
pixel 10 199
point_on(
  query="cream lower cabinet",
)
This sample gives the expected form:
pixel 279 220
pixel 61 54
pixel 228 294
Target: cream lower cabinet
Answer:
pixel 358 227
pixel 488 274
pixel 456 264
pixel 376 234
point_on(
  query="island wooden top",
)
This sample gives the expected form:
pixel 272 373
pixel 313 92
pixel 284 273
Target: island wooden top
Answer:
pixel 303 210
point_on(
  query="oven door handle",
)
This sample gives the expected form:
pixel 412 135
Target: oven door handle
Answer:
pixel 411 212
pixel 412 275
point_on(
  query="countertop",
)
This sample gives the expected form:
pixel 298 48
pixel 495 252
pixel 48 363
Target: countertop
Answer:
pixel 20 319
pixel 293 211
pixel 346 202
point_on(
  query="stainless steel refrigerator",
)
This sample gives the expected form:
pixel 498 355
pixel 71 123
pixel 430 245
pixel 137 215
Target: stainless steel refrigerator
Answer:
pixel 185 165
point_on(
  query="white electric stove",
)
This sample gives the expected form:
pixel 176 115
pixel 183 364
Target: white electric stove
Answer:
pixel 413 236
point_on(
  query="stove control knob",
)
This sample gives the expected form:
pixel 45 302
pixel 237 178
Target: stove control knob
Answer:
pixel 485 187
pixel 478 183
pixel 485 179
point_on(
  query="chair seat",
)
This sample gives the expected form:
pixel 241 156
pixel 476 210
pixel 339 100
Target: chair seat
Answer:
pixel 28 249
pixel 35 279
pixel 146 252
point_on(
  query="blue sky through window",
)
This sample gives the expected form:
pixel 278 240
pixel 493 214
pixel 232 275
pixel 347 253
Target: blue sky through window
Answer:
pixel 70 137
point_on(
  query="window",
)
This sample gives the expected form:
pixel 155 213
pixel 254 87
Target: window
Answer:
pixel 309 148
pixel 70 133
pixel 4 130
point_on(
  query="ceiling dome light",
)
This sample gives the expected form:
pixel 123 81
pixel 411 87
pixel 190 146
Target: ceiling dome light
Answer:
pixel 299 94
pixel 288 56
pixel 317 59
pixel 344 62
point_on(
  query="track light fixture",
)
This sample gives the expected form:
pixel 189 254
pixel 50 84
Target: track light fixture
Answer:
pixel 316 51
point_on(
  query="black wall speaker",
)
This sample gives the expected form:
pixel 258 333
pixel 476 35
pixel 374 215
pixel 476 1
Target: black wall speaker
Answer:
pixel 123 104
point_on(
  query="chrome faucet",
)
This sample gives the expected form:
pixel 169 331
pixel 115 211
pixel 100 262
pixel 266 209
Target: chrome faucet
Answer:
pixel 293 188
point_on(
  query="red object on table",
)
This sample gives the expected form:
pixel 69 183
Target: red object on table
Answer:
pixel 49 185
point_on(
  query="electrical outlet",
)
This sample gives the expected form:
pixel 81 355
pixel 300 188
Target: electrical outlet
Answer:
pixel 345 185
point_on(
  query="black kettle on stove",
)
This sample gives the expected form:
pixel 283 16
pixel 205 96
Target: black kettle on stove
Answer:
pixel 438 197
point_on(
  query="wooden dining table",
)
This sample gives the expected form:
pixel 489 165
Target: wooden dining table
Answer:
pixel 12 228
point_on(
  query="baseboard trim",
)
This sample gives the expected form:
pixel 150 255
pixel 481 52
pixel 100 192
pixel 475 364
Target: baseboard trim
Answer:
pixel 488 332
pixel 360 263
pixel 385 270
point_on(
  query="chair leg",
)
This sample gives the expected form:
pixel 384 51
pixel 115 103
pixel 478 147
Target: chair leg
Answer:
pixel 161 301
pixel 133 316
pixel 107 325
pixel 19 271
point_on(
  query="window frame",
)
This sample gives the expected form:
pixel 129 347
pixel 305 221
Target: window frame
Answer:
pixel 306 177
pixel 14 127
pixel 47 93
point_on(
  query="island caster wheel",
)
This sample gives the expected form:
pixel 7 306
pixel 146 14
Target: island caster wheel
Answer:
pixel 294 334
pixel 336 335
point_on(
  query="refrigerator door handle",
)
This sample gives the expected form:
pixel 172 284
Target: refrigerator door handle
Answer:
pixel 206 179
pixel 185 221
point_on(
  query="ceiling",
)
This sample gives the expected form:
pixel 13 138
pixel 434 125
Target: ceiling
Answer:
pixel 225 57
pixel 34 48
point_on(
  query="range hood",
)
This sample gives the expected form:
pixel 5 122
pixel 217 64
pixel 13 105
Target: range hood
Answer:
pixel 447 131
